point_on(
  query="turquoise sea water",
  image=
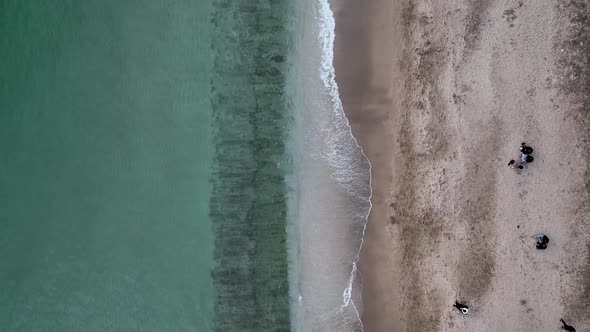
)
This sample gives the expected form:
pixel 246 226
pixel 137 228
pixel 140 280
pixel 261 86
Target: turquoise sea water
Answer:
pixel 142 166
pixel 105 143
pixel 176 165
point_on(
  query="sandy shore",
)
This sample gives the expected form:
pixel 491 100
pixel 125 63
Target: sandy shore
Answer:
pixel 440 95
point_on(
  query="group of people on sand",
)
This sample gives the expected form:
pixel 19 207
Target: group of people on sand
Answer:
pixel 525 157
pixel 541 239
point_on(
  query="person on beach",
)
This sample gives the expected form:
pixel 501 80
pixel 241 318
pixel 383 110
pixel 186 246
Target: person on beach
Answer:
pixel 519 166
pixel 542 241
pixel 525 157
pixel 525 149
pixel 461 307
pixel 566 327
pixel 525 153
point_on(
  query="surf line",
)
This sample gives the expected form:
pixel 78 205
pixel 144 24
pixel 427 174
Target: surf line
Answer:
pixel 326 38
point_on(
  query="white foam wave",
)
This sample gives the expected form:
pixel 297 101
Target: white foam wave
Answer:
pixel 337 154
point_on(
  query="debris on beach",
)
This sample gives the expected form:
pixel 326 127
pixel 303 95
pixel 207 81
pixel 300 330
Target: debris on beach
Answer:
pixel 463 308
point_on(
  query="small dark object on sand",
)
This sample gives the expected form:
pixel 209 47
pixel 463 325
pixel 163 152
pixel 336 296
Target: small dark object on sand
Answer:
pixel 520 166
pixel 529 158
pixel 461 307
pixel 566 327
pixel 511 162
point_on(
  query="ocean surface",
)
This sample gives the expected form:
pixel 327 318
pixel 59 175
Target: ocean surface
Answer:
pixel 105 147
pixel 176 165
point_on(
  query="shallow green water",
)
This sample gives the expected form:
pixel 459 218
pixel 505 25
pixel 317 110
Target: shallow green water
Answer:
pixel 105 154
pixel 251 42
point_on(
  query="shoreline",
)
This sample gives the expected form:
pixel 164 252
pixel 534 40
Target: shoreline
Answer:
pixel 440 96
pixel 365 72
pixel 332 184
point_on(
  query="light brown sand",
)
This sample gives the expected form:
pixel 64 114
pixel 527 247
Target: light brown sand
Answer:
pixel 440 94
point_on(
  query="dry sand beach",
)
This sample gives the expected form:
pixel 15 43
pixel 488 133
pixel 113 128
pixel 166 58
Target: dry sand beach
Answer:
pixel 440 95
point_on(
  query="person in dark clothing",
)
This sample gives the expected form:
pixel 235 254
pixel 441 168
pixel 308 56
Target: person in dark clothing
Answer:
pixel 566 327
pixel 461 307
pixel 526 158
pixel 525 149
pixel 512 164
pixel 541 246
pixel 542 241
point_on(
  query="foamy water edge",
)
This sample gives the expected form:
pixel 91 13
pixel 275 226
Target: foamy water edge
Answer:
pixel 327 25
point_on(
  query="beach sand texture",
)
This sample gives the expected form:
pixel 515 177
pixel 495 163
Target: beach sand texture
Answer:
pixel 440 94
